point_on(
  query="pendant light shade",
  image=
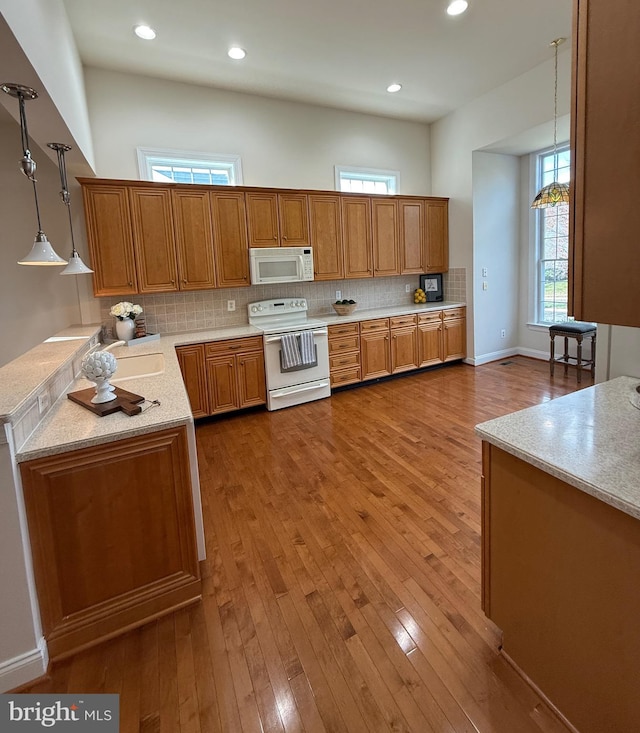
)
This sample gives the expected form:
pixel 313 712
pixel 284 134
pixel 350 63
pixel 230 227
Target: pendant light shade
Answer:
pixel 554 193
pixel 76 266
pixel 42 253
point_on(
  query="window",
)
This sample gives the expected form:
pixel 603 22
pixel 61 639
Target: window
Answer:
pixel 366 180
pixel 177 166
pixel 552 242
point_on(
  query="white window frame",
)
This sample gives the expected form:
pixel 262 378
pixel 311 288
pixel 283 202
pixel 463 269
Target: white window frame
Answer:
pixel 147 157
pixel 391 178
pixel 537 274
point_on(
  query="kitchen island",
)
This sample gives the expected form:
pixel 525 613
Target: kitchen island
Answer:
pixel 561 550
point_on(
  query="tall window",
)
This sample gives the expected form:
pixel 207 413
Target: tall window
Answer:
pixel 553 243
pixel 366 180
pixel 177 166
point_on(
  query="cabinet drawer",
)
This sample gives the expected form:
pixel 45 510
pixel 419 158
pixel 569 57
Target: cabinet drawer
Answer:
pixel 453 313
pixel 346 329
pixel 346 343
pixel 378 324
pixel 233 346
pixel 341 361
pixel 400 321
pixel 346 376
pixel 431 317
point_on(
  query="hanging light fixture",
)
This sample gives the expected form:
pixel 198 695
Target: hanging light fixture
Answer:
pixel 42 253
pixel 76 266
pixel 553 194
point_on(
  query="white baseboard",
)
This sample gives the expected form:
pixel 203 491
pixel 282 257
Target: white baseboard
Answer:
pixel 23 668
pixel 505 353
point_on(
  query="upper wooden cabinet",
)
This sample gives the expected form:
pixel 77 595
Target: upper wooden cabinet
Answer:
pixel 356 233
pixel 325 221
pixel 411 236
pixel 384 226
pixel 110 239
pixel 277 219
pixel 604 269
pixel 230 239
pixel 437 235
pixel 193 238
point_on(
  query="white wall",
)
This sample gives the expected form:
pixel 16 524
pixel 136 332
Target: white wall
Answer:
pixel 36 301
pixel 494 120
pixel 282 144
pixel 495 247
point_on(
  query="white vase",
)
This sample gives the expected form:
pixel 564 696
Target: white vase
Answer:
pixel 125 329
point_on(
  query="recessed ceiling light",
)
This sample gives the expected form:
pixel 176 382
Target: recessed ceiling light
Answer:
pixel 235 52
pixel 144 32
pixel 457 6
pixel 394 88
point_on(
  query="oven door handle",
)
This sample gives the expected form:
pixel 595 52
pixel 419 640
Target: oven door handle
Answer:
pixel 274 339
pixel 286 391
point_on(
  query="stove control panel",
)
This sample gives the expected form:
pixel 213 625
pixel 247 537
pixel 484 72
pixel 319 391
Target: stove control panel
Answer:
pixel 277 307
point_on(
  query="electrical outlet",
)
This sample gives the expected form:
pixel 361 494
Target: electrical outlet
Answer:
pixel 43 403
pixel 338 294
pixel 484 272
pixel 503 333
pixel 231 305
pixel 407 288
pixel 485 285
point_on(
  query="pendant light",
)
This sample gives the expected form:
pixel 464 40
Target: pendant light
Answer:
pixel 553 194
pixel 42 253
pixel 76 266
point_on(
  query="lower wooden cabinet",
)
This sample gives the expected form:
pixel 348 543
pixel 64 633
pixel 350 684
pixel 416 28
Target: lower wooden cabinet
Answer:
pixel 344 354
pixel 441 336
pixel 374 348
pixel 454 334
pixel 404 344
pixel 221 376
pixel 112 536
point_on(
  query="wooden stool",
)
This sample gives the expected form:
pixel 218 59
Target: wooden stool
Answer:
pixel 576 330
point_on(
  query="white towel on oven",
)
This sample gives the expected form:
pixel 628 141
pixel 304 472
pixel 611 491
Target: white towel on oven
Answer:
pixel 307 348
pixel 290 351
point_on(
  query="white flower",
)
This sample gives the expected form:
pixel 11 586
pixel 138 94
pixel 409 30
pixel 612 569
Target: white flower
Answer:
pixel 125 310
pixel 136 310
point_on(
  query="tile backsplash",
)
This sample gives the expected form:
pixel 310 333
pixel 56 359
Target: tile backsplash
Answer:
pixel 194 310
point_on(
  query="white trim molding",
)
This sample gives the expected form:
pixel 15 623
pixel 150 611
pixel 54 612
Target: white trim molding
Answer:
pixel 148 156
pixel 24 668
pixel 391 178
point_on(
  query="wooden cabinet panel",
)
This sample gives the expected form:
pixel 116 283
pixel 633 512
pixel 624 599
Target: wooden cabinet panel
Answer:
pixel 113 536
pixel 251 380
pixel 110 239
pixel 153 239
pixel 343 344
pixel 344 329
pixel 437 235
pixel 430 343
pixel 356 232
pixel 193 238
pixel 604 273
pixel 375 354
pixel 404 349
pixel 294 219
pixel 192 365
pixel 375 324
pixel 223 390
pixel 325 222
pixel 454 344
pixel 262 219
pixel 384 226
pixel 411 237
pixel 230 239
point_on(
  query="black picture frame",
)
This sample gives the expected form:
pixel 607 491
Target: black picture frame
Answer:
pixel 432 286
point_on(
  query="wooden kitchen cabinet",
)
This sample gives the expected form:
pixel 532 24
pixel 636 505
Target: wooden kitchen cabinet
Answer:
pixel 235 374
pixel 454 332
pixel 223 384
pixel 193 238
pixel 344 354
pixel 153 239
pixel 441 336
pixel 112 537
pixel 411 237
pixel 604 217
pixel 404 343
pixel 110 239
pixel 230 238
pixel 375 353
pixel 277 219
pixel 384 232
pixel 437 235
pixel 325 222
pixel 356 234
pixel 192 365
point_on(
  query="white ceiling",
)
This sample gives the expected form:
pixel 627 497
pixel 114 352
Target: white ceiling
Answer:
pixel 336 53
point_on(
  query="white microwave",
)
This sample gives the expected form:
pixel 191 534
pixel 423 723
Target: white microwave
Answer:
pixel 280 264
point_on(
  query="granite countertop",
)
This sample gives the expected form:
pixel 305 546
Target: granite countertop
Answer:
pixel 387 312
pixel 589 439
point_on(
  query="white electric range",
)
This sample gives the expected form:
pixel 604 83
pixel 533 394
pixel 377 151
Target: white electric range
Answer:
pixel 291 381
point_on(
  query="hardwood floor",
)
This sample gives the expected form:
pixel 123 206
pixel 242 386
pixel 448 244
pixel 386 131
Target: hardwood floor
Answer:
pixel 342 584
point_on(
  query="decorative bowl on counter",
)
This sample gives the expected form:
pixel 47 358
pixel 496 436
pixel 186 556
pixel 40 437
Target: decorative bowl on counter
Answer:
pixel 345 308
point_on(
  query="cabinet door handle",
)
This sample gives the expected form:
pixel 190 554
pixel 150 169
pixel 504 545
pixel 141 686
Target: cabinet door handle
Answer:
pixel 130 284
pixel 173 282
pixel 285 238
pixel 275 236
pixel 184 280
